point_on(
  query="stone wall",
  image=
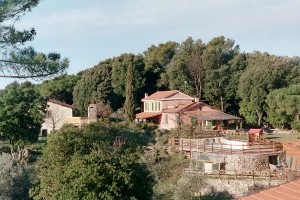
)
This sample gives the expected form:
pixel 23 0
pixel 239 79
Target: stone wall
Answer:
pixel 246 162
pixel 241 162
pixel 239 187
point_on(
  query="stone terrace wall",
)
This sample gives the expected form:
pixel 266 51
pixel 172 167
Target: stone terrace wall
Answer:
pixel 247 162
pixel 238 187
pixel 243 162
pixel 236 162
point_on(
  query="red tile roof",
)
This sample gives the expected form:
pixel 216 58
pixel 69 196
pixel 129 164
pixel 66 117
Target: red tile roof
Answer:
pixel 160 95
pixel 285 191
pixel 185 106
pixel 255 130
pixel 210 115
pixel 60 103
pixel 145 115
pixel 178 108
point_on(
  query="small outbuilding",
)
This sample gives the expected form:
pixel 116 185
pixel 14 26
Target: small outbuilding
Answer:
pixel 255 135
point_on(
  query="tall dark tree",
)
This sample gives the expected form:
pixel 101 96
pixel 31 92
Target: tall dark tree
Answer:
pixel 129 108
pixel 236 68
pixel 216 57
pixel 95 86
pixel 120 66
pixel 17 62
pixel 264 73
pixel 21 115
pixel 196 70
pixel 283 107
pixel 157 58
pixel 60 88
pixel 178 73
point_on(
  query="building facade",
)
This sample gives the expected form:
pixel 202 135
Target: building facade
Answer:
pixel 56 113
pixel 171 109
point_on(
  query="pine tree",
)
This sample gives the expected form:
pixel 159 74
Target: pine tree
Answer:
pixel 129 102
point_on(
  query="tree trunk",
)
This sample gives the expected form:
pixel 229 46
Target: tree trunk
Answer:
pixel 222 104
pixel 18 152
pixel 260 116
pixel 197 88
pixel 200 92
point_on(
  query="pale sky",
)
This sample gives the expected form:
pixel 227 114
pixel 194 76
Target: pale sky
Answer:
pixel 90 31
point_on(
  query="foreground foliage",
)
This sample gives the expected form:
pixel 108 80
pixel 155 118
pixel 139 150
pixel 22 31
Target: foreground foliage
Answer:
pixel 94 163
pixel 21 115
pixel 18 62
pixel 14 179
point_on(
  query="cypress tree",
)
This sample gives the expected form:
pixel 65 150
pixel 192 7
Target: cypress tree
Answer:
pixel 129 101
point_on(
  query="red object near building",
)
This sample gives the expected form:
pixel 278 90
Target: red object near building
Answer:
pixel 255 134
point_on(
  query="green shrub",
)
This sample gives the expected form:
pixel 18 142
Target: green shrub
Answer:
pixel 14 179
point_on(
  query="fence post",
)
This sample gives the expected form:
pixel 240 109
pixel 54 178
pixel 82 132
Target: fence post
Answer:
pixel 230 149
pixel 190 148
pixel 221 148
pixel 181 144
pixel 243 148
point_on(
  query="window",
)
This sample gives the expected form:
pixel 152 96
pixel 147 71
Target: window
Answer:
pixel 273 160
pixel 166 119
pixel 44 132
pixel 49 114
pixel 152 106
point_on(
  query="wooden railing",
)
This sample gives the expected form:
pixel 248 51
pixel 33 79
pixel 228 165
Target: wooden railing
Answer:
pixel 197 145
pixel 251 174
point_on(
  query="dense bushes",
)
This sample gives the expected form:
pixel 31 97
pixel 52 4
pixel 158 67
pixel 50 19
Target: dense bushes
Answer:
pixel 96 162
pixel 14 179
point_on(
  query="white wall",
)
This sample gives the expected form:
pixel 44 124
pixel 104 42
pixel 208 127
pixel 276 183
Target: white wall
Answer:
pixel 57 116
pixel 169 121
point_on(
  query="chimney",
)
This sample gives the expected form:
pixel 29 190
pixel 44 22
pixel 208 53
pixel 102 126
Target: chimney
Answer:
pixel 146 95
pixel 196 100
pixel 92 113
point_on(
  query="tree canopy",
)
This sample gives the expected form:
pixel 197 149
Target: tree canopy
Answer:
pixel 61 88
pixel 94 86
pixel 21 114
pixel 217 72
pixel 178 72
pixel 263 74
pixel 157 59
pixel 17 61
pixel 93 163
pixel 283 106
pixel 216 58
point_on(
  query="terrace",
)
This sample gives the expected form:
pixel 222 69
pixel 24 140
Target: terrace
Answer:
pixel 221 145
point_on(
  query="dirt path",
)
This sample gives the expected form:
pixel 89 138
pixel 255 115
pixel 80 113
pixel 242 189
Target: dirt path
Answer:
pixel 292 148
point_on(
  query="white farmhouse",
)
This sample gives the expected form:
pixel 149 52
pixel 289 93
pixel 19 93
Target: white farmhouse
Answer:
pixel 56 113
